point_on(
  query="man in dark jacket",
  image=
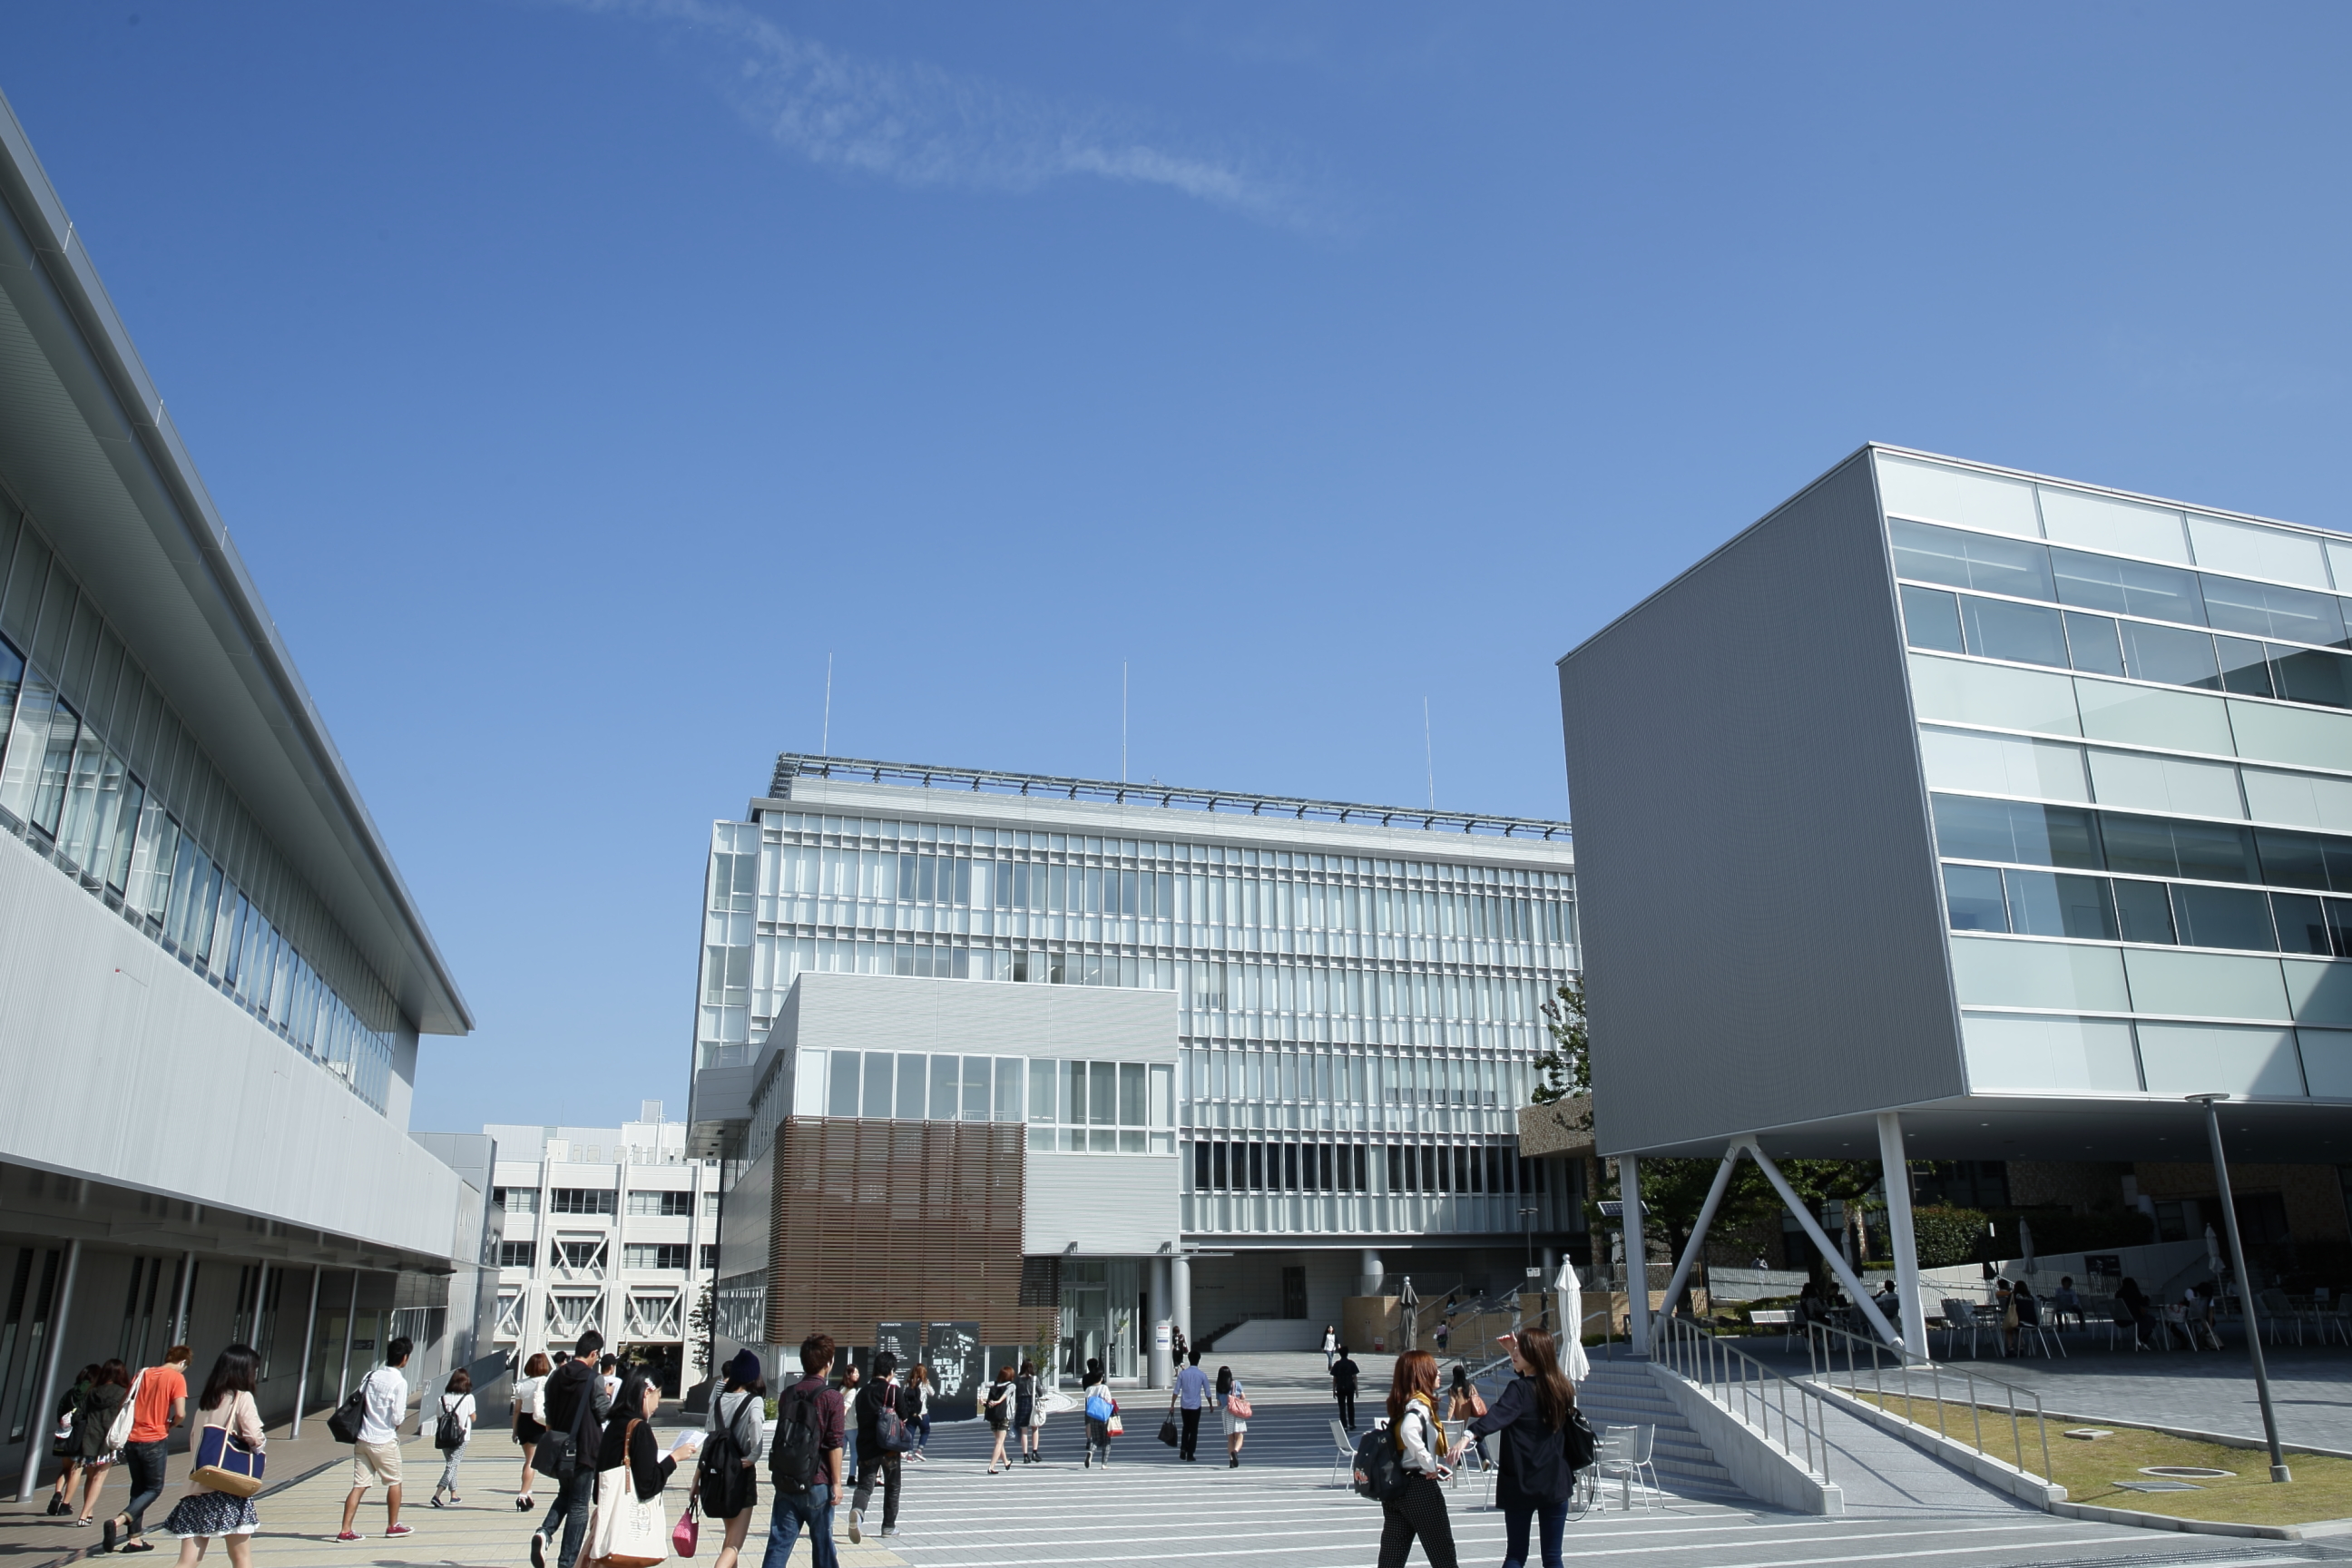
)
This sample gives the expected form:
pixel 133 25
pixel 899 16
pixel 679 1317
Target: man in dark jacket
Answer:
pixel 567 1387
pixel 884 1392
pixel 1344 1372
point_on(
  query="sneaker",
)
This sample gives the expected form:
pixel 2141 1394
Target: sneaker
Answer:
pixel 888 1530
pixel 435 1499
pixel 537 1551
pixel 351 1535
pixel 402 1529
pixel 856 1527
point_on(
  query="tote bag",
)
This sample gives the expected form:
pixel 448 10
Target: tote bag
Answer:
pixel 625 1532
pixel 119 1432
pixel 221 1463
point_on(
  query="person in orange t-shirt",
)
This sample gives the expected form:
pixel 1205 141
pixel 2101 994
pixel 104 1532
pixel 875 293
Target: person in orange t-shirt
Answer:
pixel 160 1404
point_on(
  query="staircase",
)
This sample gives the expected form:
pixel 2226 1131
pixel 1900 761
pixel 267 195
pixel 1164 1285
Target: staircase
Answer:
pixel 1624 1394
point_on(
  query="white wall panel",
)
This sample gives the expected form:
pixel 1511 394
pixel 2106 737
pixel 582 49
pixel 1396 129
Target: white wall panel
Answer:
pixel 125 1068
pixel 1117 1203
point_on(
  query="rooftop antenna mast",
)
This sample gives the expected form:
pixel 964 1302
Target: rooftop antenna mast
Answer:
pixel 1428 754
pixel 825 740
pixel 1122 721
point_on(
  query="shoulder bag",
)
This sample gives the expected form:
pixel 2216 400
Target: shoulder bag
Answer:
pixel 1169 1433
pixel 119 1431
pixel 558 1455
pixel 221 1463
pixel 891 1433
pixel 626 1530
pixel 1237 1404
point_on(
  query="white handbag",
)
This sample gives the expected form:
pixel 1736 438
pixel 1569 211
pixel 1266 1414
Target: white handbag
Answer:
pixel 625 1532
pixel 118 1431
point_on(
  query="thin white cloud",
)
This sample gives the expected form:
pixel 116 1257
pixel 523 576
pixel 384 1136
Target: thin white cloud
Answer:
pixel 921 126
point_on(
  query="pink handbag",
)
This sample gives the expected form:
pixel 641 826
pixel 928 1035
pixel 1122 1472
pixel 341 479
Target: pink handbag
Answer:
pixel 687 1532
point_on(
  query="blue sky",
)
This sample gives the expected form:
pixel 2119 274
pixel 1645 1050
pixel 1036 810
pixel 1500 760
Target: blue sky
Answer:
pixel 576 377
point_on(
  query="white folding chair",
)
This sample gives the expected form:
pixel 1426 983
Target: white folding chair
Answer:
pixel 1343 1465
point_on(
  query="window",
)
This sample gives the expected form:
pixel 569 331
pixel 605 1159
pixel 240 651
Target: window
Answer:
pixel 660 1255
pixel 666 1205
pixel 582 1200
pixel 1961 560
pixel 581 1253
pixel 2262 609
pixel 2023 634
pixel 516 1254
pixel 1101 1108
pixel 2127 588
pixel 1971 829
pixel 710 1205
pixel 2171 655
pixel 709 1255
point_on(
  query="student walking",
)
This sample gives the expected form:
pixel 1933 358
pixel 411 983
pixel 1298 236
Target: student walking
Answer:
pixel 196 1518
pixel 1101 1407
pixel 1330 1346
pixel 454 1419
pixel 92 1425
pixel 159 1401
pixel 1535 1479
pixel 1029 1414
pixel 882 1396
pixel 1418 1511
pixel 65 1442
pixel 852 1380
pixel 804 1460
pixel 628 1437
pixel 1191 1388
pixel 562 1408
pixel 529 1420
pixel 922 1386
pixel 1234 1403
pixel 1345 1375
pixel 726 1475
pixel 375 1458
pixel 997 1406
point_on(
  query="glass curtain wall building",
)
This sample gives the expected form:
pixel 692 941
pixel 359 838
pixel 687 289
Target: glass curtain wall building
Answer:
pixel 2063 778
pixel 213 982
pixel 1351 995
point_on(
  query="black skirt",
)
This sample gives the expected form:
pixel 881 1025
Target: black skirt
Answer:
pixel 527 1430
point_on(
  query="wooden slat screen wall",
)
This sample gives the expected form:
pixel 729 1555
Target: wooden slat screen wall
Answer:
pixel 879 1221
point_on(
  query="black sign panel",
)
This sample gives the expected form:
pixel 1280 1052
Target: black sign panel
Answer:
pixel 904 1341
pixel 955 1356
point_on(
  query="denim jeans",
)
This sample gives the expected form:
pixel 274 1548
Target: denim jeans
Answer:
pixel 570 1504
pixel 146 1461
pixel 811 1511
pixel 1515 1533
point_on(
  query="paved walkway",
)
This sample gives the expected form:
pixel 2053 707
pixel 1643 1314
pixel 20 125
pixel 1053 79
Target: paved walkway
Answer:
pixel 1149 1509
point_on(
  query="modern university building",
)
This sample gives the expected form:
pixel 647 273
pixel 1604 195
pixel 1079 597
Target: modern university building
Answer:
pixel 213 983
pixel 2036 799
pixel 1053 1054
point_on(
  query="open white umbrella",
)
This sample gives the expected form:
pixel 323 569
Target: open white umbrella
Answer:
pixel 1409 1308
pixel 1573 1362
pixel 2024 1247
pixel 2213 1252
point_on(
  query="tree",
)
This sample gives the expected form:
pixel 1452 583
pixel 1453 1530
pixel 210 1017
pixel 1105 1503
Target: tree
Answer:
pixel 1564 1078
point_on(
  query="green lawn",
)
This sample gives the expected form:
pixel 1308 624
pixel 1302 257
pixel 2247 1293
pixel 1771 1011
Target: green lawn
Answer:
pixel 2322 1487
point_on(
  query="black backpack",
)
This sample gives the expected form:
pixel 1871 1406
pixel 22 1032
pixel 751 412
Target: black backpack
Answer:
pixel 450 1432
pixel 791 1460
pixel 719 1473
pixel 1380 1465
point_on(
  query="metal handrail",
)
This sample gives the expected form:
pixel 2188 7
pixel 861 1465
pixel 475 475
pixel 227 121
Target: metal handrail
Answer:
pixel 1822 1344
pixel 1749 1390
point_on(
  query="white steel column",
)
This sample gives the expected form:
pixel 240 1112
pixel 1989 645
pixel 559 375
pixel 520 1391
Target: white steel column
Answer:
pixel 1637 1258
pixel 350 1328
pixel 1162 1372
pixel 1179 1294
pixel 1698 1232
pixel 1891 1159
pixel 310 1331
pixel 1836 1260
pixel 179 1334
pixel 36 1429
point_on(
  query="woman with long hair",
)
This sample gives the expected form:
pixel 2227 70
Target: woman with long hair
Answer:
pixel 226 1401
pixel 922 1385
pixel 997 1406
pixel 1417 1510
pixel 1237 1423
pixel 528 1428
pixel 90 1428
pixel 1532 1415
pixel 738 1411
pixel 1097 1428
pixel 1025 1411
pixel 65 1443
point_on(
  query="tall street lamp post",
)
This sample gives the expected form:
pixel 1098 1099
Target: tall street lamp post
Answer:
pixel 2245 1281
